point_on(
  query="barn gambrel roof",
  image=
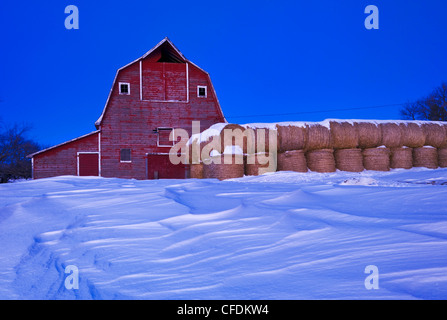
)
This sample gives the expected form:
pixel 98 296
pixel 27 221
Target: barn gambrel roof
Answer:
pixel 173 53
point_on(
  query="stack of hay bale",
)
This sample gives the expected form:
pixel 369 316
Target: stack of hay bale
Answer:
pixel 231 151
pixel 346 145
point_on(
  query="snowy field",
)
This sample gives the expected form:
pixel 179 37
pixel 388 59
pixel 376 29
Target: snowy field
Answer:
pixel 277 236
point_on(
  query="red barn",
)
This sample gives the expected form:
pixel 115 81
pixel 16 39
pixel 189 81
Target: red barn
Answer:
pixel 150 96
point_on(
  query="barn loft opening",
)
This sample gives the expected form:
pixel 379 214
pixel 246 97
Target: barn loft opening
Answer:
pixel 168 54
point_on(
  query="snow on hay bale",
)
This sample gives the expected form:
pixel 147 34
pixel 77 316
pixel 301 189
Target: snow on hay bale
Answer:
pixel 291 138
pixel 435 134
pixel 377 159
pixel 233 135
pixel 401 158
pixel 391 135
pixel 349 160
pixel 442 157
pixel 294 160
pixel 196 171
pixel 260 163
pixel 425 157
pixel 369 134
pixel 217 167
pixel 412 135
pixel 318 137
pixel 321 160
pixel 344 135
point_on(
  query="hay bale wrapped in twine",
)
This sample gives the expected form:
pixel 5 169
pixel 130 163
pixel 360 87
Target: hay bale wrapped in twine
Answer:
pixel 425 157
pixel 294 160
pixel 196 171
pixel 442 157
pixel 401 158
pixel 391 135
pixel 259 140
pixel 216 168
pixel 321 160
pixel 233 135
pixel 349 160
pixel 412 135
pixel 318 137
pixel 260 163
pixel 435 134
pixel 369 135
pixel 344 135
pixel 377 159
pixel 444 144
pixel 291 138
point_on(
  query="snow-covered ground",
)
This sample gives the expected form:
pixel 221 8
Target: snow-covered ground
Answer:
pixel 277 236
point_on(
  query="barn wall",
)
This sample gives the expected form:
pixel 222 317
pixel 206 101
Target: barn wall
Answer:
pixel 62 160
pixel 129 122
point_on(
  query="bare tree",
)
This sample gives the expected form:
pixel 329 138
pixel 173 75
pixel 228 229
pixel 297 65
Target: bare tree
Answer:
pixel 14 147
pixel 433 107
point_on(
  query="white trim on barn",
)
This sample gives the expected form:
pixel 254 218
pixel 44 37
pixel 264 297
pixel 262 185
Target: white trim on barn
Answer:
pixel 128 88
pixel 198 91
pixel 98 122
pixel 86 152
pixel 99 154
pixel 158 136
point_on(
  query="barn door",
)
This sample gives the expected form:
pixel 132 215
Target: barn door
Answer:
pixel 160 167
pixel 88 164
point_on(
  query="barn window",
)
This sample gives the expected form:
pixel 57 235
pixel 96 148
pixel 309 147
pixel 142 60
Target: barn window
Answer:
pixel 124 88
pixel 125 155
pixel 163 137
pixel 201 91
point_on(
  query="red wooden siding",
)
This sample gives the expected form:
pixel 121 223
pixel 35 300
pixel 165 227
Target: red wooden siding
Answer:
pixel 160 167
pixel 62 160
pixel 132 123
pixel 164 81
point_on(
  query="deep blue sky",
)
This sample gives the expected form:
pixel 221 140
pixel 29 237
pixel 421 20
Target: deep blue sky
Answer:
pixel 264 56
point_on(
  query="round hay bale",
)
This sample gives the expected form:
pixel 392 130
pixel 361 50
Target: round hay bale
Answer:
pixel 294 160
pixel 233 135
pixel 412 135
pixel 369 135
pixel 401 158
pixel 196 171
pixel 258 140
pixel 444 144
pixel 260 163
pixel 435 134
pixel 442 157
pixel 321 160
pixel 216 168
pixel 349 160
pixel 344 135
pixel 318 137
pixel 425 157
pixel 391 135
pixel 377 159
pixel 291 138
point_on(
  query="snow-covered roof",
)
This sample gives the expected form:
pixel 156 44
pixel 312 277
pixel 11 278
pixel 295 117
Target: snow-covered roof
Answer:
pixel 63 143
